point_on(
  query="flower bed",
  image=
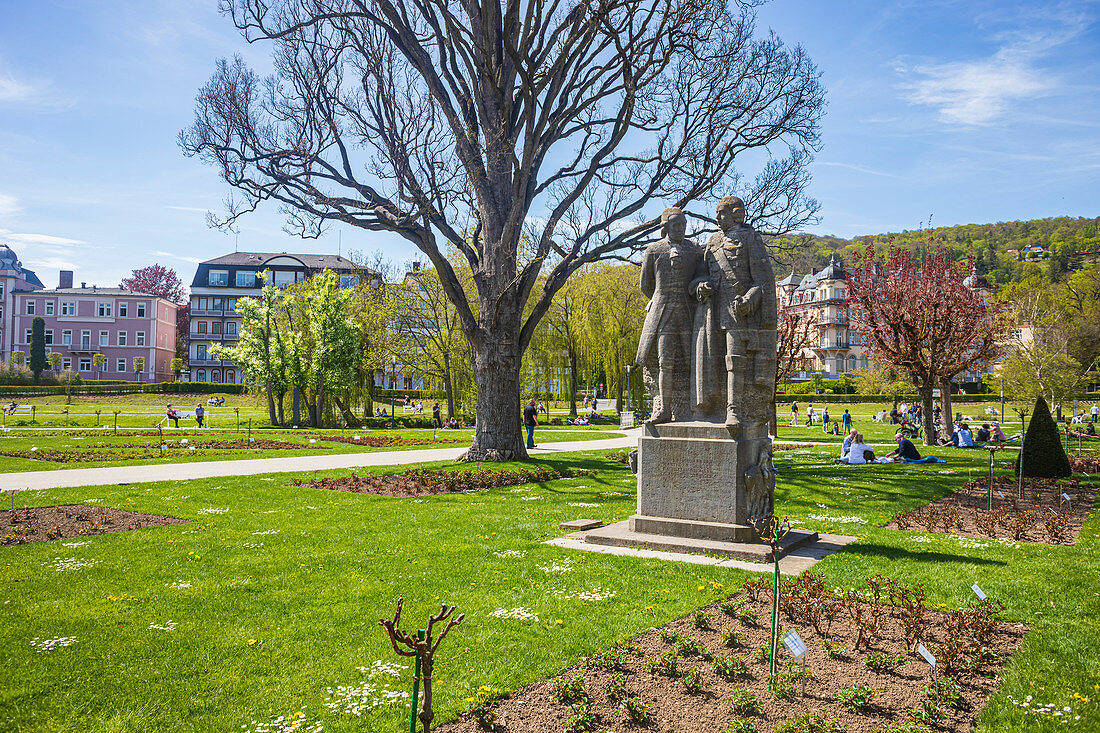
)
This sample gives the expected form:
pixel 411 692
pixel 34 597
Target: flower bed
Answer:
pixel 173 448
pixel 1045 516
pixel 708 672
pixel 423 482
pixel 384 441
pixel 39 524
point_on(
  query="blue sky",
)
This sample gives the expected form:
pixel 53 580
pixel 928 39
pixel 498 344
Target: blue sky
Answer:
pixel 966 111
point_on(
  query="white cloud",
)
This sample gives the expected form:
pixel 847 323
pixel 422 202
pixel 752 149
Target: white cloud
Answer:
pixel 35 94
pixel 982 91
pixel 856 168
pixel 192 260
pixel 46 239
pixel 9 206
pixel 188 208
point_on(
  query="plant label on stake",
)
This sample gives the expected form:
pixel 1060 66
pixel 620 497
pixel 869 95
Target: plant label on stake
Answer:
pixel 927 655
pixel 797 648
pixel 1065 496
pixel 978 592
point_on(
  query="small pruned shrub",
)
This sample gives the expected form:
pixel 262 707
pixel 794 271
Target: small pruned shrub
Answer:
pixel 904 726
pixel 743 701
pixel 689 646
pixel 700 620
pixel 835 650
pixel 927 713
pixel 634 710
pixel 568 689
pixel 758 588
pixel 733 638
pixel 613 659
pixel 582 719
pixel 881 662
pixel 742 725
pixel 692 680
pixel 946 690
pixel 666 664
pixel 783 687
pixel 857 698
pixel 616 689
pixel 729 667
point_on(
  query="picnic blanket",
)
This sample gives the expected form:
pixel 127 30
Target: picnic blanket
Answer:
pixel 926 459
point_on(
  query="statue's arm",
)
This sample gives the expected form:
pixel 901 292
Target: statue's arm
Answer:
pixel 648 279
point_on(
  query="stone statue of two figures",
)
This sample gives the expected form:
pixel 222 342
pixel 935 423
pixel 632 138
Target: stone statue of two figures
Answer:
pixel 708 344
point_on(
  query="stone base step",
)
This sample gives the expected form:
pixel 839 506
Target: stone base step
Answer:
pixel 619 534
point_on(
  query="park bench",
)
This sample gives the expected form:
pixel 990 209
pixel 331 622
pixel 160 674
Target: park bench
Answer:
pixel 19 410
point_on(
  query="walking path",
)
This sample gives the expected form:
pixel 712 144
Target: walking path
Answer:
pixel 286 464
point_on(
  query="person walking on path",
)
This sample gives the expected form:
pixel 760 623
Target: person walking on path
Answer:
pixel 846 421
pixel 794 413
pixel 437 415
pixel 530 420
pixel 809 416
pixel 825 420
pixel 200 413
pixel 1095 412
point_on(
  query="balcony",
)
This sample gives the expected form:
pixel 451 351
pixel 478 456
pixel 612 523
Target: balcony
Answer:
pixel 208 312
pixel 198 363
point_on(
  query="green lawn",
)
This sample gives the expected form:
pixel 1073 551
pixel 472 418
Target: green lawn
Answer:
pixel 178 442
pixel 275 592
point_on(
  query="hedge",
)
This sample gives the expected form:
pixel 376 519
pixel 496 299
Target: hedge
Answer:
pixel 857 399
pixel 121 388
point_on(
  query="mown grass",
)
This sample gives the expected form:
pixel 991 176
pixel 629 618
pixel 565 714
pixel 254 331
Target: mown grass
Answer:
pixel 107 441
pixel 266 630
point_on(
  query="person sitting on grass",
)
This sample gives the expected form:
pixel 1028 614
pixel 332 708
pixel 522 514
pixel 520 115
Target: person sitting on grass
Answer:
pixel 983 435
pixel 906 450
pixel 1090 429
pixel 859 453
pixel 996 434
pixel 172 415
pixel 963 437
pixel 847 444
pixel 836 428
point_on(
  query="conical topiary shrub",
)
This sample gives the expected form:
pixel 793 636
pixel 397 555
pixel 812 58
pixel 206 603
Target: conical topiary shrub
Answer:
pixel 1043 453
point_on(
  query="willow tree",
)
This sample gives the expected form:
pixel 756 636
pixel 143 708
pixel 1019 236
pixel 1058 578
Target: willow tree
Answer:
pixel 533 137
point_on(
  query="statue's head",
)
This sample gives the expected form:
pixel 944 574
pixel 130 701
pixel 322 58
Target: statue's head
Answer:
pixel 731 212
pixel 673 224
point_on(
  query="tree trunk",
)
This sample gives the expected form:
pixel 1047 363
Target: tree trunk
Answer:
pixel 926 402
pixel 619 396
pixel 498 433
pixel 270 403
pixel 320 405
pixel 946 407
pixel 448 386
pixel 279 406
pixel 345 411
pixel 572 381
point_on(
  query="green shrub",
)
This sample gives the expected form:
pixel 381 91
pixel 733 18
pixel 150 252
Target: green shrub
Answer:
pixel 882 662
pixel 857 698
pixel 1043 453
pixel 742 725
pixel 730 667
pixel 616 688
pixel 692 680
pixel 744 701
pixel 568 689
pixel 634 710
pixel 480 707
pixel 665 664
pixel 733 638
pixel 582 719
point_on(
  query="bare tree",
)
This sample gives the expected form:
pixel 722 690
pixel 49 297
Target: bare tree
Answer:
pixel 532 137
pixel 794 337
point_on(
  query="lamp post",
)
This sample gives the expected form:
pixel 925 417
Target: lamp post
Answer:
pixel 1002 416
pixel 393 393
pixel 629 404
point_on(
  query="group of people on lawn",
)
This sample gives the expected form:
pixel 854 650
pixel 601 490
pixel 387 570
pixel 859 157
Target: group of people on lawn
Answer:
pixel 171 414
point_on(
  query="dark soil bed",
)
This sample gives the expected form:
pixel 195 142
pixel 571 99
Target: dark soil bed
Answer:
pixel 735 634
pixel 39 524
pixel 173 448
pixel 1043 516
pixel 385 441
pixel 422 482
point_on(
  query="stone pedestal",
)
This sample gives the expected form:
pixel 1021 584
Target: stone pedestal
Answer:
pixel 691 482
pixel 696 493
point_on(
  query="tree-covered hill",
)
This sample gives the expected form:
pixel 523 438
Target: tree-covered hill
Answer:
pixel 1004 252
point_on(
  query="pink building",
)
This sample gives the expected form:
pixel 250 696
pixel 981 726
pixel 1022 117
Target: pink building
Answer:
pixel 85 321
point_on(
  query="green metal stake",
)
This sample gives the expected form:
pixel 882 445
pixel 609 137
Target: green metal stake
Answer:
pixel 775 607
pixel 416 685
pixel 989 504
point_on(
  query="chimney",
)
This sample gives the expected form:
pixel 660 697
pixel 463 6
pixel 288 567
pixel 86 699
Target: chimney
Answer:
pixel 65 280
pixel 83 285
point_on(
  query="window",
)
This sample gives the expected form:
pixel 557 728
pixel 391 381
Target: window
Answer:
pixel 68 308
pixel 219 278
pixel 246 279
pixel 49 307
pixel 201 304
pixel 216 327
pixel 215 377
pixel 121 338
pixel 863 362
pixel 66 363
pixel 85 364
pixel 67 337
pixel 349 281
pixel 85 339
pixel 49 337
pixel 139 338
pixel 141 310
pixel 201 327
pixel 200 352
pixel 28 335
pixel 282 279
pixel 122 309
pixel 202 375
pixel 231 328
pixel 229 377
pixel 230 305
pixel 216 304
pixel 30 307
pixel 120 365
pixel 103 310
pixel 104 338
